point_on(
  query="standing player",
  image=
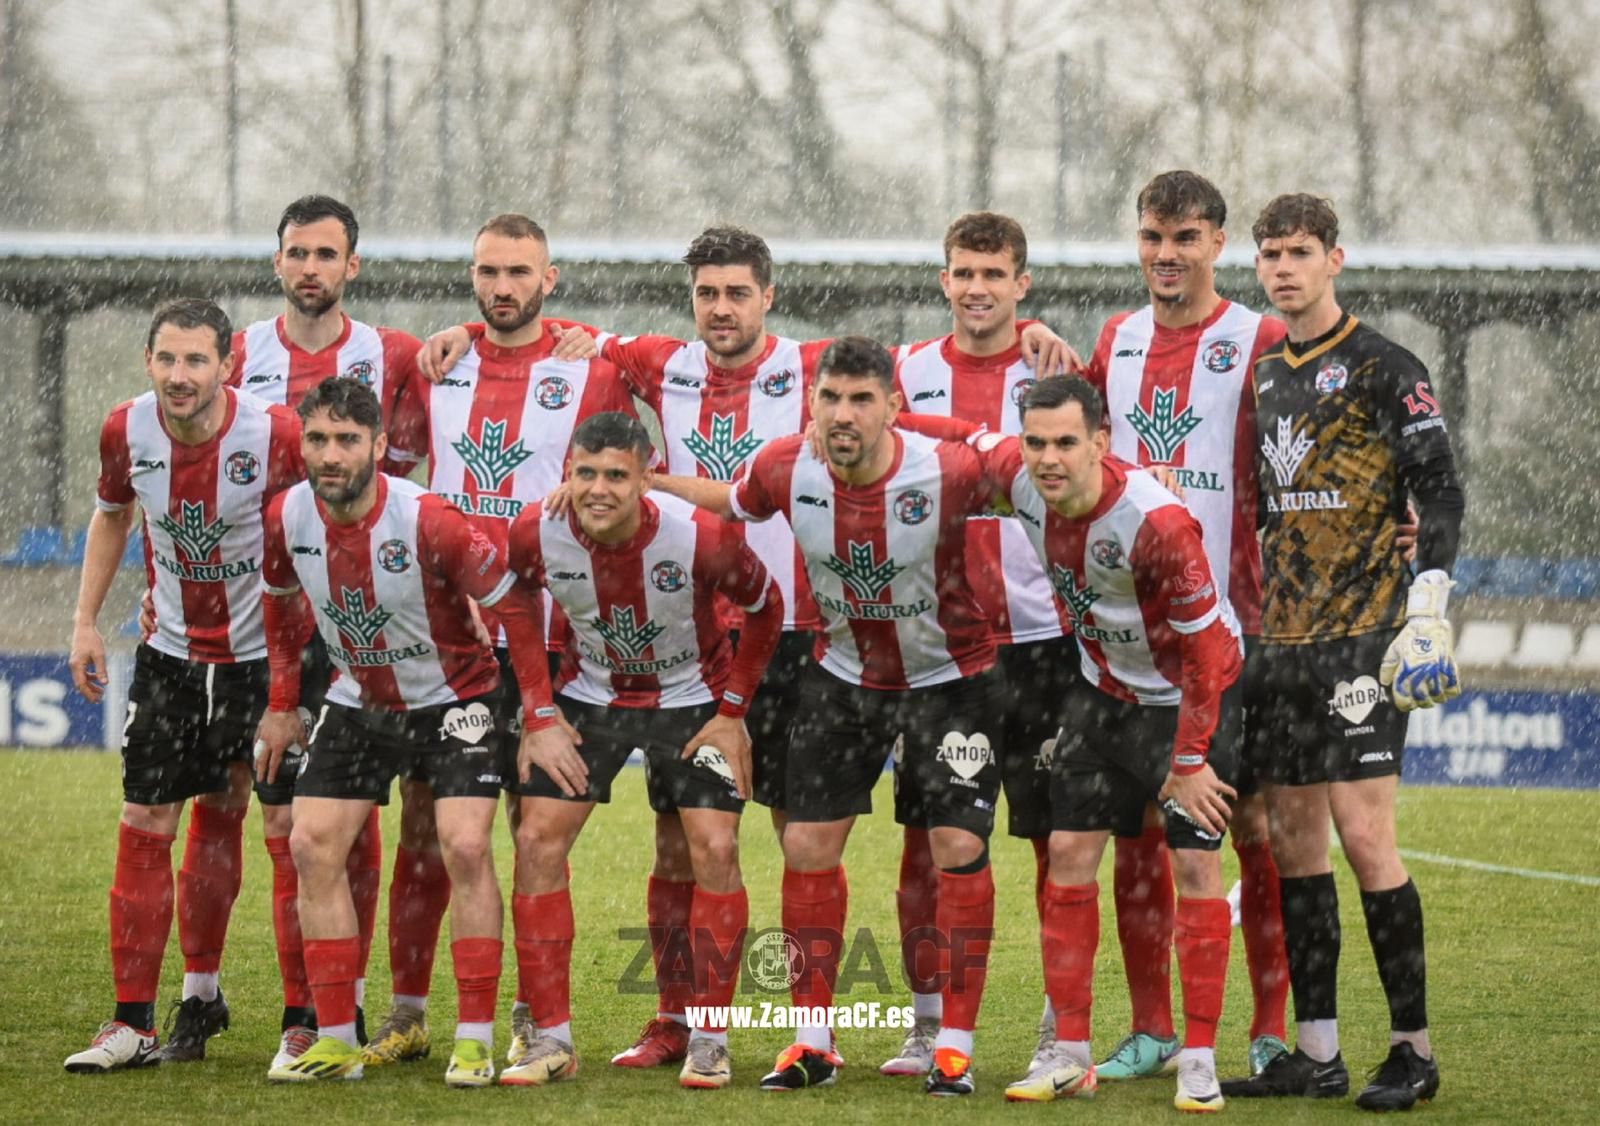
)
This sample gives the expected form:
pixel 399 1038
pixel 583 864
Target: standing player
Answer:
pixel 905 651
pixel 648 664
pixel 1350 425
pixel 977 374
pixel 1176 379
pixel 386 569
pixel 495 433
pixel 201 461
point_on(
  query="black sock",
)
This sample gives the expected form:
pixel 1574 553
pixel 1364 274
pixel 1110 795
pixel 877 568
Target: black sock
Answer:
pixel 1311 939
pixel 303 1016
pixel 137 1014
pixel 1394 926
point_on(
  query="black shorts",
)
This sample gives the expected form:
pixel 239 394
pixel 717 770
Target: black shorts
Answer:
pixel 188 722
pixel 1251 775
pixel 1113 759
pixel 316 673
pixel 772 713
pixel 610 735
pixel 356 752
pixel 1321 714
pixel 1037 675
pixel 943 738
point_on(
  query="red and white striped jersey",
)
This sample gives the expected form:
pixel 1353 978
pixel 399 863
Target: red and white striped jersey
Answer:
pixel 644 614
pixel 713 420
pixel 937 378
pixel 1185 397
pixel 498 429
pixel 1132 574
pixel 202 518
pixel 885 559
pixel 274 368
pixel 390 593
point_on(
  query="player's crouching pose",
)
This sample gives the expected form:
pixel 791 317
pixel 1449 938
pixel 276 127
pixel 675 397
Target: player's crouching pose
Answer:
pixel 387 570
pixel 202 461
pixel 1155 717
pixel 647 665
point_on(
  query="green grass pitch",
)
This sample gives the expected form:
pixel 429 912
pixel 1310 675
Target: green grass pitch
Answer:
pixel 1512 973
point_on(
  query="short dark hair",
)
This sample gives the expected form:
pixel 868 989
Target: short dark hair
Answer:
pixel 512 225
pixel 987 232
pixel 730 246
pixel 1295 212
pixel 613 430
pixel 1180 195
pixel 311 208
pixel 858 355
pixel 346 399
pixel 1059 390
pixel 194 312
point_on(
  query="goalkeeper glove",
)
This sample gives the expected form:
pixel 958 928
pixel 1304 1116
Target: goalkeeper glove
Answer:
pixel 1420 666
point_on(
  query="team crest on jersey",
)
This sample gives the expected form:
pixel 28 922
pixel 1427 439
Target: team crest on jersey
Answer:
pixel 488 459
pixel 553 393
pixel 720 453
pixel 1107 553
pixel 668 577
pixel 1220 356
pixel 776 384
pixel 624 633
pixel 193 534
pixel 913 507
pixel 1163 427
pixel 863 574
pixel 394 556
pixel 1020 390
pixel 242 467
pixel 362 371
pixel 1331 378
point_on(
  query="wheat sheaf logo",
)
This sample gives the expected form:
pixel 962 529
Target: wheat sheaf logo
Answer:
pixel 488 459
pixel 862 573
pixel 355 619
pixel 195 536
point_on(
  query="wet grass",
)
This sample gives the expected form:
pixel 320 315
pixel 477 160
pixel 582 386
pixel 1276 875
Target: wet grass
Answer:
pixel 1512 961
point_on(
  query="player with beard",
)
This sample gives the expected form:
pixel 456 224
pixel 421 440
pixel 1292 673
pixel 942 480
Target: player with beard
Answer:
pixel 1176 378
pixel 720 399
pixel 202 461
pixel 385 571
pixel 495 431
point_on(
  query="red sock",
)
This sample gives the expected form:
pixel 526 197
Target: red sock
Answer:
pixel 1205 927
pixel 1041 870
pixel 364 867
pixel 419 895
pixel 918 903
pixel 718 923
pixel 813 912
pixel 141 912
pixel 1069 934
pixel 544 954
pixel 208 883
pixel 667 908
pixel 331 968
pixel 966 920
pixel 1144 897
pixel 1261 914
pixel 477 964
pixel 286 924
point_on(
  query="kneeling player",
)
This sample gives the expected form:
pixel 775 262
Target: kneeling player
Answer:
pixel 648 664
pixel 1154 718
pixel 387 569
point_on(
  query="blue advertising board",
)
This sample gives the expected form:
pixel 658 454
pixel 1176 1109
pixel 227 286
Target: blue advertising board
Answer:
pixel 39 707
pixel 1547 739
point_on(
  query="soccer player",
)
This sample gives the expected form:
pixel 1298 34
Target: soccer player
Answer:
pixel 977 374
pixel 495 432
pixel 385 570
pixel 201 461
pixel 1153 717
pixel 1349 426
pixel 905 652
pixel 1176 379
pixel 648 664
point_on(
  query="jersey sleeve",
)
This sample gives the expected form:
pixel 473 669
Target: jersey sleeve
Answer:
pixel 945 428
pixel 277 569
pixel 738 574
pixel 115 491
pixel 1099 364
pixel 286 464
pixel 526 562
pixel 1407 411
pixel 761 489
pixel 406 427
pixel 1001 457
pixel 236 350
pixel 452 548
pixel 643 362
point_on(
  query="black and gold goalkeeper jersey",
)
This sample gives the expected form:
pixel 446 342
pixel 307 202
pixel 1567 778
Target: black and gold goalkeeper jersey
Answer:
pixel 1340 418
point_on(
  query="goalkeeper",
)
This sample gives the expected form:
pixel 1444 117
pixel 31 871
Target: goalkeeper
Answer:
pixel 1349 427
